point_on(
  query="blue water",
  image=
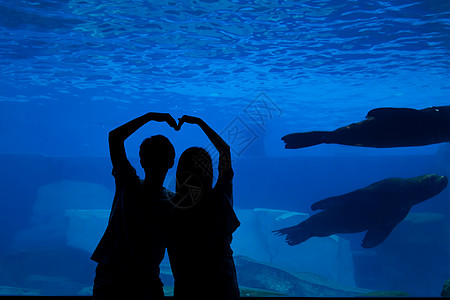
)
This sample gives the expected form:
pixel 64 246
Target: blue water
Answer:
pixel 72 70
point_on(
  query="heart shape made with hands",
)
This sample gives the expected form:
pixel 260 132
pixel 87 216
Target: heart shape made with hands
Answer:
pixel 177 126
pixel 182 120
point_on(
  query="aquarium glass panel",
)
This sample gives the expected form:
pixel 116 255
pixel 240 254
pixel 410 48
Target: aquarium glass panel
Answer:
pixel 335 114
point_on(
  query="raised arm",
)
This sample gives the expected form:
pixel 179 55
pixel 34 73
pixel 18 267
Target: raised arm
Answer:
pixel 221 146
pixel 118 136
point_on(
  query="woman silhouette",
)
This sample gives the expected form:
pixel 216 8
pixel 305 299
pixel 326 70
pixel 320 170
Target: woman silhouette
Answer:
pixel 203 222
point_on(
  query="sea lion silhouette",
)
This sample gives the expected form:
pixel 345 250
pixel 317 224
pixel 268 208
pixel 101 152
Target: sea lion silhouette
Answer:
pixel 383 128
pixel 377 208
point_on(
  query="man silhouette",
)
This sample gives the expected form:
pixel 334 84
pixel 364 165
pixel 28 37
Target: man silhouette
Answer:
pixel 134 243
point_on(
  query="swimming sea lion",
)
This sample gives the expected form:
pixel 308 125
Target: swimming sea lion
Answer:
pixel 377 208
pixel 383 128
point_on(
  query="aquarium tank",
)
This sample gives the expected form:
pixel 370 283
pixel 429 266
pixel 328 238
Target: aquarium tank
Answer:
pixel 255 71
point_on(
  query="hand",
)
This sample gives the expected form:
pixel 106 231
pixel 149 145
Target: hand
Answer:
pixel 187 119
pixel 164 117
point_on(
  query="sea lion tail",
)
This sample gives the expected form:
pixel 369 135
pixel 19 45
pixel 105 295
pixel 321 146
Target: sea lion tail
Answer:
pixel 304 139
pixel 294 235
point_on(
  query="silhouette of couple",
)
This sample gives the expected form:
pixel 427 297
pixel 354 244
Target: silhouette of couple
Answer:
pixel 195 224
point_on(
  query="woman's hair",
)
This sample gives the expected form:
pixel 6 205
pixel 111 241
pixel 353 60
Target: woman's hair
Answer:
pixel 194 171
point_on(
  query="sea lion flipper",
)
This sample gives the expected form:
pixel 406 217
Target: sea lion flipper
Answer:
pixel 393 112
pixel 377 235
pixel 304 139
pixel 294 234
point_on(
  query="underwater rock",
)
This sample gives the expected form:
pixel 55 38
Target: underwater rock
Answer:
pixel 63 271
pixel 86 227
pixel 386 294
pixel 299 284
pixel 70 263
pixel 446 289
pixel 86 221
pixel 87 291
pixel 55 198
pixel 53 286
pixel 252 292
pixel 329 257
pixel 5 277
pixel 18 291
pixel 49 224
pixel 42 236
pixel 23 175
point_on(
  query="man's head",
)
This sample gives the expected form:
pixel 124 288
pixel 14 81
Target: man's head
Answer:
pixel 157 154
